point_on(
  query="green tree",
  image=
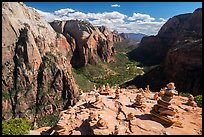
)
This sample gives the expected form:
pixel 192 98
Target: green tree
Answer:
pixel 16 126
pixel 198 100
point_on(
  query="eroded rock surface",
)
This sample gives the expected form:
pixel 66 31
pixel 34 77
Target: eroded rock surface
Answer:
pixel 88 43
pixel 36 71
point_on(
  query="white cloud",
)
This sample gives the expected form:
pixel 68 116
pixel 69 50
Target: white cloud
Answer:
pixel 148 28
pixel 139 16
pixel 162 19
pixel 49 17
pixel 113 15
pixel 77 15
pixel 115 5
pixel 106 15
pixel 64 11
pixel 138 23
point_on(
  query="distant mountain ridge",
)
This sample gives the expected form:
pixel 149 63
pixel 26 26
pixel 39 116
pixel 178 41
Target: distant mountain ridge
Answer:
pixel 133 36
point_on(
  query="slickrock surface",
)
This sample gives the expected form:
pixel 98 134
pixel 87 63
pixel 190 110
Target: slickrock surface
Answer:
pixel 131 121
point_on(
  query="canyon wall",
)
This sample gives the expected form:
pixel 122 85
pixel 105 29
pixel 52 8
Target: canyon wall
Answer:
pixel 36 70
pixel 178 50
pixel 89 43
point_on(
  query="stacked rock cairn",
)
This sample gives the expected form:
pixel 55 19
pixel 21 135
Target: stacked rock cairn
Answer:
pixel 139 102
pixel 117 93
pixel 191 101
pixel 161 112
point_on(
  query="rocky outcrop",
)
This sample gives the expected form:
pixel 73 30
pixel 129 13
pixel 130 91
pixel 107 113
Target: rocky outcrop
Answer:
pixel 111 116
pixel 178 46
pixel 89 43
pixel 36 71
pixel 153 49
pixel 111 36
pixel 116 36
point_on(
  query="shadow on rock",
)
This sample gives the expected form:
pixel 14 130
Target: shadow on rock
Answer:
pixel 144 116
pixel 85 128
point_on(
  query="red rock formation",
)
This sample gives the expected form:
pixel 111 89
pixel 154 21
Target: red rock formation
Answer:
pixel 36 70
pixel 178 47
pixel 88 42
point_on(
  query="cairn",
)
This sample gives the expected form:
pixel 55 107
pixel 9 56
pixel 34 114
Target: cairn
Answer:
pixel 97 97
pixel 119 106
pixel 191 101
pixel 117 93
pixel 139 102
pixel 157 95
pixel 147 90
pixel 130 116
pixel 107 88
pixel 141 90
pixel 94 88
pixel 161 112
pixel 102 124
pixel 104 90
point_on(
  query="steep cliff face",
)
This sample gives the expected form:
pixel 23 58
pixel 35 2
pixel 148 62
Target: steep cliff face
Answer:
pixel 36 71
pixel 153 49
pixel 150 51
pixel 179 46
pixel 183 64
pixel 88 42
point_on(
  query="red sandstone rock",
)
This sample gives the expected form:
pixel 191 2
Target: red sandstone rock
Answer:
pixel 178 49
pixel 88 42
pixel 36 63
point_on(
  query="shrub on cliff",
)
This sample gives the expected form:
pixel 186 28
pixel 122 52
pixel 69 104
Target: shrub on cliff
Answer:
pixel 198 100
pixel 16 126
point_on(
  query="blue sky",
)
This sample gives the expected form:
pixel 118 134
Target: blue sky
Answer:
pixel 136 17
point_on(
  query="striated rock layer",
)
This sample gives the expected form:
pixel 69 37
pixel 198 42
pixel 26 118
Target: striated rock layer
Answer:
pixel 88 43
pixel 36 70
